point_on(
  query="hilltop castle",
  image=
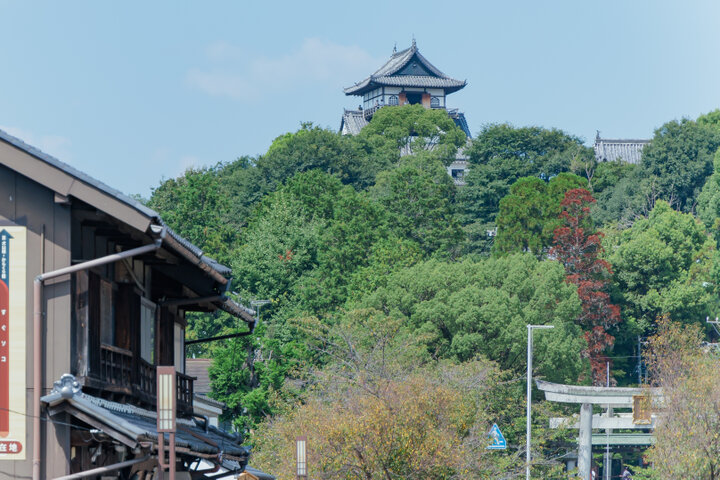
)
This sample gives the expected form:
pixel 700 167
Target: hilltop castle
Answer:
pixel 406 78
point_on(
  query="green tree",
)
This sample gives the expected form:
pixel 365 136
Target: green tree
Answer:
pixel 708 208
pixel 676 163
pixel 482 307
pixel 382 409
pixel 687 444
pixel 418 195
pixel 616 186
pixel 531 212
pixel 314 148
pixel 300 248
pixel 193 205
pixel 411 129
pixel 710 119
pixel 662 265
pixel 499 156
pixel 242 187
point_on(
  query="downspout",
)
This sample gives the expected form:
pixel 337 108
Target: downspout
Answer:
pixel 38 323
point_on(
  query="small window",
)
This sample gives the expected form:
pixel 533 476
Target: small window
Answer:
pixel 457 173
pixel 434 102
pixel 393 100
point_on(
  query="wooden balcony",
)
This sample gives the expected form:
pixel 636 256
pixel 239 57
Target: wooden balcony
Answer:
pixel 122 372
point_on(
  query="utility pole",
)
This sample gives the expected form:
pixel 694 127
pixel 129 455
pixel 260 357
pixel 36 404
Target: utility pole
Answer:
pixel 529 393
pixel 639 362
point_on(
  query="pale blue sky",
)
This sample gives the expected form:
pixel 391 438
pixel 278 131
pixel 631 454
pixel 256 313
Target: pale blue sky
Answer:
pixel 131 92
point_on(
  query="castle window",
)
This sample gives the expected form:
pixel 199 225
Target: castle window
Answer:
pixel 393 100
pixel 434 102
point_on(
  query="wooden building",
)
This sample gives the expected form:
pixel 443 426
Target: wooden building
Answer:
pixel 93 293
pixel 407 78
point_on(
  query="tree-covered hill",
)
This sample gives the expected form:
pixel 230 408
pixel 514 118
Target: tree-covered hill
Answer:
pixel 396 312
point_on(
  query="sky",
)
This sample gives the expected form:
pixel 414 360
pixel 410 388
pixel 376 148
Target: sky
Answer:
pixel 135 92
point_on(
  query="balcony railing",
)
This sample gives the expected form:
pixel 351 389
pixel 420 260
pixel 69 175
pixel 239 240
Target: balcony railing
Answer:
pixel 137 377
pixel 116 365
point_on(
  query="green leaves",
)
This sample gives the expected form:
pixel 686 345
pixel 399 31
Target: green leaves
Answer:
pixel 499 156
pixel 470 308
pixel 679 159
pixel 193 205
pixel 418 195
pixel 412 129
pixel 661 265
pixel 531 212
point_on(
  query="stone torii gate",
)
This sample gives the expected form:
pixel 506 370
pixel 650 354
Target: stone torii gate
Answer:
pixel 608 397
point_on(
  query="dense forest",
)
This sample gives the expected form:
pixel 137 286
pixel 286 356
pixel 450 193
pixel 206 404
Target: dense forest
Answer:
pixel 396 332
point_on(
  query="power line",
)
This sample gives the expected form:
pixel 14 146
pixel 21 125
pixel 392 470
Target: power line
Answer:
pixel 48 419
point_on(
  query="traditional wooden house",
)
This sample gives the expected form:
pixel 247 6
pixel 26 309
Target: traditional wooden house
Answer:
pixel 93 293
pixel 408 78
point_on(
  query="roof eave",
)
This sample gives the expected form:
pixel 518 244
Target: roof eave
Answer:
pixel 65 180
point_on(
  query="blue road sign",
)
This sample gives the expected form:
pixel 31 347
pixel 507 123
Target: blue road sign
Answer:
pixel 499 442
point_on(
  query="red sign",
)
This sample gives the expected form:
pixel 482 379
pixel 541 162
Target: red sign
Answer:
pixel 10 446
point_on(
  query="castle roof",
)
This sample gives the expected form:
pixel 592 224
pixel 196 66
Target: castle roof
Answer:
pixel 407 68
pixel 612 150
pixel 352 122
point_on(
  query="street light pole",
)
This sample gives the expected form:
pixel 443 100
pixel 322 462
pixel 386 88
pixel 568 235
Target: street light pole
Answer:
pixel 529 393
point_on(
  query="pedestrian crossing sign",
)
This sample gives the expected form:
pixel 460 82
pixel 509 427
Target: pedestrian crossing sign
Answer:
pixel 498 439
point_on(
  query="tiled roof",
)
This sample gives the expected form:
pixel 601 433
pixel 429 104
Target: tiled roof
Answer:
pixel 388 75
pixel 83 177
pixel 180 245
pixel 352 122
pixel 459 119
pixel 612 150
pixel 418 81
pixel 140 425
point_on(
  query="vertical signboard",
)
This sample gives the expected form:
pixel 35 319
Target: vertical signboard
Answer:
pixel 12 342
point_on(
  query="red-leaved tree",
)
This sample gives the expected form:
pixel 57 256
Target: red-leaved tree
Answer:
pixel 578 247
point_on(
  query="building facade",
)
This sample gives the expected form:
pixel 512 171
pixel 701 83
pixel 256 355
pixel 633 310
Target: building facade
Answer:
pixel 94 288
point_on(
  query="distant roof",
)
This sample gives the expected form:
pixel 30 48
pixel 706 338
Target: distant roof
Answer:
pixel 459 119
pixel 613 150
pixel 70 182
pixel 352 122
pixel 407 68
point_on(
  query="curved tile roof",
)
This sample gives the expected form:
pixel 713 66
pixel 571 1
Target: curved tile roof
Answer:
pixel 419 81
pixel 613 150
pixel 148 216
pixel 352 122
pixel 389 75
